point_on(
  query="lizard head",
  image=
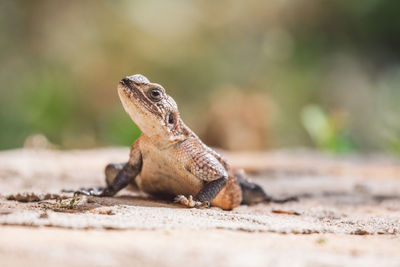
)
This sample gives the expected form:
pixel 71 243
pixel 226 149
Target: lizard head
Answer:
pixel 154 112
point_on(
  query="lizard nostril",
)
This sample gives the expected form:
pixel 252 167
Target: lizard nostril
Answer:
pixel 126 81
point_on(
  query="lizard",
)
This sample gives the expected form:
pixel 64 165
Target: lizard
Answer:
pixel 169 159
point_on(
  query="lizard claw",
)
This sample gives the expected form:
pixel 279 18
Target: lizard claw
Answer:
pixel 97 191
pixel 203 205
pixel 190 202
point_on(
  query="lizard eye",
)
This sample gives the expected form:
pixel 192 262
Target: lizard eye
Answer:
pixel 155 94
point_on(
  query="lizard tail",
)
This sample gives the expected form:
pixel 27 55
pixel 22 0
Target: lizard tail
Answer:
pixel 253 193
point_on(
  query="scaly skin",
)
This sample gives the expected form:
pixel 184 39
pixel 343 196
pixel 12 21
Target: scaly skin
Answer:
pixel 169 160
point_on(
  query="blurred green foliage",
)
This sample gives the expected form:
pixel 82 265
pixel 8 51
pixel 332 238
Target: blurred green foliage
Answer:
pixel 61 61
pixel 327 131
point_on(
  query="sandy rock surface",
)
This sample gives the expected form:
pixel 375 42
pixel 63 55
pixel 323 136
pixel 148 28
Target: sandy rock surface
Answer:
pixel 348 214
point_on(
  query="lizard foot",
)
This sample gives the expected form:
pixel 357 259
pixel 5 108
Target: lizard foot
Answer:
pixel 190 202
pixel 96 191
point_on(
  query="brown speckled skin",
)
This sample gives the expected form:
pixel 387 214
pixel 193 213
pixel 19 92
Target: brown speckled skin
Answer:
pixel 174 161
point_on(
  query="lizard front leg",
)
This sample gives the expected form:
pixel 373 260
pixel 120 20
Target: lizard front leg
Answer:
pixel 205 196
pixel 207 168
pixel 111 171
pixel 123 178
pixel 126 173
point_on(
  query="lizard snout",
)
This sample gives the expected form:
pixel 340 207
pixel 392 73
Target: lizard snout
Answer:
pixel 126 81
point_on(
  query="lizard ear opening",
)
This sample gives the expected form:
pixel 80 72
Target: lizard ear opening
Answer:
pixel 171 118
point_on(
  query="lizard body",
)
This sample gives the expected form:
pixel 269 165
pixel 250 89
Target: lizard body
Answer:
pixel 170 160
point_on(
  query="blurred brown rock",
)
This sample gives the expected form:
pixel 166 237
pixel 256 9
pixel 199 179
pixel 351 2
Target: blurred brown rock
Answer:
pixel 238 120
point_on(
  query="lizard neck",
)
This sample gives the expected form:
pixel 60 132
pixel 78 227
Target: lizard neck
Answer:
pixel 179 133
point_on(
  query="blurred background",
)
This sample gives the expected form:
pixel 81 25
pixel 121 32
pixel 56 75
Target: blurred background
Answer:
pixel 247 75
